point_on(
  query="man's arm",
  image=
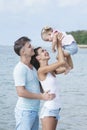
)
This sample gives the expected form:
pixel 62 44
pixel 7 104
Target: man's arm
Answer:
pixel 22 92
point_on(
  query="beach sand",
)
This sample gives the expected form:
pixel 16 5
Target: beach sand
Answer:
pixel 82 46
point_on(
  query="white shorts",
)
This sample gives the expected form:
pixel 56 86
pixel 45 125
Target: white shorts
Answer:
pixel 45 112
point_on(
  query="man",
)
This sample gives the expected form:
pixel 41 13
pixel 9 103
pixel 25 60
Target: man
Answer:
pixel 28 88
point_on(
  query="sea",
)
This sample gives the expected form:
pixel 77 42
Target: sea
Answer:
pixel 73 91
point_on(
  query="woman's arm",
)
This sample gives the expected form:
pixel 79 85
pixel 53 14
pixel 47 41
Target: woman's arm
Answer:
pixel 54 66
pixel 54 43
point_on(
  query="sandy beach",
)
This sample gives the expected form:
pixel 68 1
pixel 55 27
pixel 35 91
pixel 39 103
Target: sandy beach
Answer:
pixel 82 46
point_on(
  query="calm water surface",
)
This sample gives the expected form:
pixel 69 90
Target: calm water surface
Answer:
pixel 73 92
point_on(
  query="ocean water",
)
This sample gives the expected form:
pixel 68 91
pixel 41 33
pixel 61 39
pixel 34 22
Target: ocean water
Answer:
pixel 73 92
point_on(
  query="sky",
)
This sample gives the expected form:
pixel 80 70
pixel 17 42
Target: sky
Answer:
pixel 27 17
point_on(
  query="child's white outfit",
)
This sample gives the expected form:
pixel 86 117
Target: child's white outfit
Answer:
pixel 68 43
pixel 51 107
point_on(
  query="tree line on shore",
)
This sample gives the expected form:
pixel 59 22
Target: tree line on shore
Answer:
pixel 80 36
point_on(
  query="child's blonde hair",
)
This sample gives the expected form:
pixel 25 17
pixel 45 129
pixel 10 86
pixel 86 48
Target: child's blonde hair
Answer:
pixel 45 30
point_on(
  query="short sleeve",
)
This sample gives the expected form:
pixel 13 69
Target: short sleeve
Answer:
pixel 19 76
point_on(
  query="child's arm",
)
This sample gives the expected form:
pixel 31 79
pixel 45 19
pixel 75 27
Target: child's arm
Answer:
pixel 54 43
pixel 52 67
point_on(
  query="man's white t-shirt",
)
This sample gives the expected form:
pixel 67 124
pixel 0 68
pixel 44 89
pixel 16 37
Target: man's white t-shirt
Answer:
pixel 24 76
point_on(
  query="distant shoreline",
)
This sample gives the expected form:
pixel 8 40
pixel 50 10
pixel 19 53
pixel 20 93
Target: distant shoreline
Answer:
pixel 79 45
pixel 82 46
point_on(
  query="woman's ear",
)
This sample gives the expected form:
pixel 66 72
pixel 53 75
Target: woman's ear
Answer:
pixel 38 57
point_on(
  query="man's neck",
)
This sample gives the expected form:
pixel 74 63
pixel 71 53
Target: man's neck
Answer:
pixel 26 60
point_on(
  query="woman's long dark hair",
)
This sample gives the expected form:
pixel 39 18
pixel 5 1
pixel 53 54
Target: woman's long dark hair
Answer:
pixel 36 64
pixel 34 61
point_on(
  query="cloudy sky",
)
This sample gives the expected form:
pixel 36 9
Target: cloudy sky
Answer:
pixel 27 17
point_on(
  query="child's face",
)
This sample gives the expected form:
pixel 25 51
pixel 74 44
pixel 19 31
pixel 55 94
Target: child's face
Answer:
pixel 48 37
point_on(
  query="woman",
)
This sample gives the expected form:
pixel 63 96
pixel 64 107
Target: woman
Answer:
pixel 50 111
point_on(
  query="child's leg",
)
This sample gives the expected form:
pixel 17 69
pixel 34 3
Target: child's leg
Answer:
pixel 65 68
pixel 68 59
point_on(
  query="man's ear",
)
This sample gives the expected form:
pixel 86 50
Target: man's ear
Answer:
pixel 38 57
pixel 22 51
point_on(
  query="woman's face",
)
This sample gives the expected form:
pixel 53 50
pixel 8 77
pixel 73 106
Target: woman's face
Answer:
pixel 43 54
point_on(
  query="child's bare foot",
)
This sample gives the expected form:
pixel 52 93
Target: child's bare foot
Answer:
pixel 60 70
pixel 68 68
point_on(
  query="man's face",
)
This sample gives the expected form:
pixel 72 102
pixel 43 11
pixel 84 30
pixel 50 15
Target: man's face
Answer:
pixel 28 49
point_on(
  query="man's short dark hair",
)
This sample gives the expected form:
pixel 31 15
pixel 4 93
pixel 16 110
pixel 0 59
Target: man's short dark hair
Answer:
pixel 18 44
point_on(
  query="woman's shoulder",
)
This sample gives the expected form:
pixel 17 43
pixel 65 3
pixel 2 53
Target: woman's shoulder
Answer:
pixel 41 70
pixel 41 74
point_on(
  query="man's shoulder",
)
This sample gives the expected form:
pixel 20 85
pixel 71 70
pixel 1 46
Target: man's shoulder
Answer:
pixel 19 67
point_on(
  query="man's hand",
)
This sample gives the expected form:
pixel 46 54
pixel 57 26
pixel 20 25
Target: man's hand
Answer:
pixel 48 96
